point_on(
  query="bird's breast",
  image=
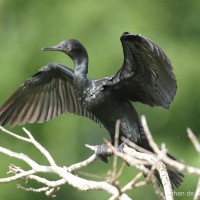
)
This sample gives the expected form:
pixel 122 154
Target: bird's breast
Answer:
pixel 94 96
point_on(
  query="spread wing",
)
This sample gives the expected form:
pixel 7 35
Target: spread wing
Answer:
pixel 42 97
pixel 146 74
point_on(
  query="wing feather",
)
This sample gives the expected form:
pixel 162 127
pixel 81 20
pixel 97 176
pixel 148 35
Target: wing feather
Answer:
pixel 146 74
pixel 42 97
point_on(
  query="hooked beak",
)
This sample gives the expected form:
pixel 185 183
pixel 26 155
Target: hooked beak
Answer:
pixel 53 48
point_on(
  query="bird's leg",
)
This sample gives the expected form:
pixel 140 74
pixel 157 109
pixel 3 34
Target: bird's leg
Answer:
pixel 120 147
pixel 103 152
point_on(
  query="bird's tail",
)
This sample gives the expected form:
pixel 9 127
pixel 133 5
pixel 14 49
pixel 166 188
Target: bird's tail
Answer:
pixel 176 178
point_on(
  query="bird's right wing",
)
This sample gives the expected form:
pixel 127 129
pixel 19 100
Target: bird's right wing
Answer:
pixel 42 97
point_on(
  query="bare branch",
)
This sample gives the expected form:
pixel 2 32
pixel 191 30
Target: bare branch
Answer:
pixel 146 162
pixel 17 176
pixel 14 135
pixel 40 148
pixel 82 164
pixel 63 172
pixel 121 170
pixel 193 139
pixel 197 193
pixel 130 185
pixel 157 164
pixel 20 156
pixel 116 143
pixel 163 157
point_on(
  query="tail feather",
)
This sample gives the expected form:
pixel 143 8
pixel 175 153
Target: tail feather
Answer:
pixel 176 178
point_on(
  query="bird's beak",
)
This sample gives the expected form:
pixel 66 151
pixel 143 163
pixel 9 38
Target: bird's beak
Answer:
pixel 53 48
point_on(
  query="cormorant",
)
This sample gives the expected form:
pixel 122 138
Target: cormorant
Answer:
pixel 145 76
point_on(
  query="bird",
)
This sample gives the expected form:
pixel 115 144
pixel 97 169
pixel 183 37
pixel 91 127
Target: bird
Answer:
pixel 146 76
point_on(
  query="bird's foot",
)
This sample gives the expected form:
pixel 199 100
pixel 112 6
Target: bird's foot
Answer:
pixel 120 147
pixel 103 152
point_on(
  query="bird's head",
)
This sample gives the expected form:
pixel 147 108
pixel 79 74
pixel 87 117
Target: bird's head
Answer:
pixel 73 48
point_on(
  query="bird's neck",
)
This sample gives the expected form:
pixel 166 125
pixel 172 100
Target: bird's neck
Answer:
pixel 81 68
pixel 81 65
pixel 80 75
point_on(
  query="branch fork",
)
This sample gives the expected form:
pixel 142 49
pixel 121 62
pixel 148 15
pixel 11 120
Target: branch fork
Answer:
pixel 132 155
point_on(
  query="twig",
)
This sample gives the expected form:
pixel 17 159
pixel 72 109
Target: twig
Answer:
pixel 130 185
pixel 138 159
pixel 130 155
pixel 82 164
pixel 66 177
pixel 193 139
pixel 121 170
pixel 160 167
pixel 20 156
pixel 115 158
pixel 42 189
pixel 91 175
pixel 132 161
pixel 17 176
pixel 40 148
pixel 14 135
pixel 135 146
pixel 197 192
pixel 174 164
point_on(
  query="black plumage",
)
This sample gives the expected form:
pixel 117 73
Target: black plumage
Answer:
pixel 145 76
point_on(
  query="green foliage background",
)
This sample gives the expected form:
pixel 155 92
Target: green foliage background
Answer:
pixel 27 26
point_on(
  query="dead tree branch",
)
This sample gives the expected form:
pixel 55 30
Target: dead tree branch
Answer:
pixel 133 155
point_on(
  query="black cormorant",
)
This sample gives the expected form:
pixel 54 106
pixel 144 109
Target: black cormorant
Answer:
pixel 145 76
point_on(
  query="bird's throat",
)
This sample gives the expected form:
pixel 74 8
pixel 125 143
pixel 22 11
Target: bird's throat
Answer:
pixel 81 67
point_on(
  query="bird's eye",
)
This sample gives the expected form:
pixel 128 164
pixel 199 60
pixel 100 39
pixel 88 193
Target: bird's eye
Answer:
pixel 68 47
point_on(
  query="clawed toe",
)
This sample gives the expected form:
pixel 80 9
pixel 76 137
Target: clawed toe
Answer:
pixel 120 147
pixel 102 152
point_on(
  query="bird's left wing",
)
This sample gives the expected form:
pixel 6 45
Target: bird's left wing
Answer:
pixel 42 97
pixel 146 74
